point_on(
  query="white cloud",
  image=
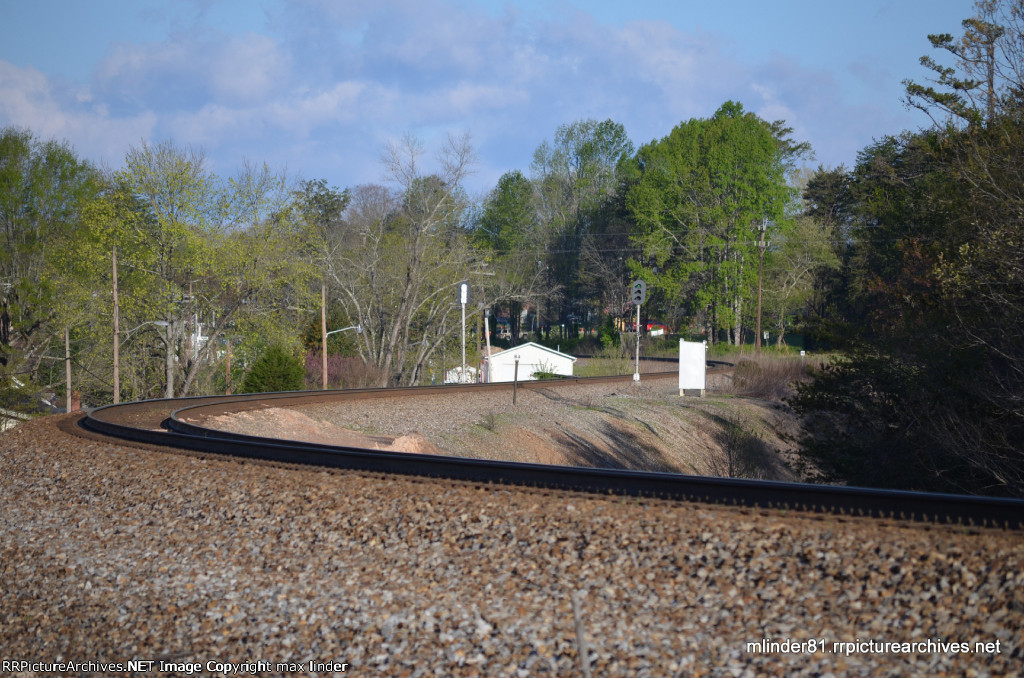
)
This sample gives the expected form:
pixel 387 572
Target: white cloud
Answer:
pixel 661 53
pixel 190 71
pixel 328 80
pixel 342 103
pixel 30 99
pixel 772 107
pixel 250 68
pixel 464 101
pixel 23 92
pixel 130 67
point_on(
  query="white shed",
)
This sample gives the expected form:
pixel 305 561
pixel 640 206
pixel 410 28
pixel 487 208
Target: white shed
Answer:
pixel 532 358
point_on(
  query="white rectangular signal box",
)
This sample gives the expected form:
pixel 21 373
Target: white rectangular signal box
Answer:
pixel 692 368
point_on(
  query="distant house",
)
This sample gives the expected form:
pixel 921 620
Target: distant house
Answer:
pixel 455 376
pixel 532 357
pixel 10 418
pixel 18 404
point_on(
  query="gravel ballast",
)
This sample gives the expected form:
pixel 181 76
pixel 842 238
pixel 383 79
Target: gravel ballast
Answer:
pixel 111 553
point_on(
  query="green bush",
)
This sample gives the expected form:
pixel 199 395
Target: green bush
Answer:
pixel 276 370
pixel 609 335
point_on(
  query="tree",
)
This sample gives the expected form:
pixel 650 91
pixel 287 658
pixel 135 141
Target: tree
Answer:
pixel 43 187
pixel 987 70
pixel 982 282
pixel 509 219
pixel 982 275
pixel 203 260
pixel 276 370
pixel 697 196
pixel 322 207
pixel 509 236
pixel 578 170
pixel 396 263
pixel 175 213
pixel 827 199
pixel 802 251
pixel 576 177
pixel 928 395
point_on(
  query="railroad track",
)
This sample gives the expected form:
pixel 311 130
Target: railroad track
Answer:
pixel 163 422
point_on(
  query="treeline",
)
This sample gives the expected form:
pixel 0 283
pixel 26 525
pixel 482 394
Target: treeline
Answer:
pixel 909 266
pixel 928 304
pixel 213 270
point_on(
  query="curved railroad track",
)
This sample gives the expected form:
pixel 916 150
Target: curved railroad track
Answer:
pixel 163 422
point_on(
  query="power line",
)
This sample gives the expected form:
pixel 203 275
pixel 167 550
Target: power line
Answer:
pixel 734 243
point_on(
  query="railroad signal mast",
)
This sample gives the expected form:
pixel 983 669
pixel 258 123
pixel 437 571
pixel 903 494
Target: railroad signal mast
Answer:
pixel 638 292
pixel 761 247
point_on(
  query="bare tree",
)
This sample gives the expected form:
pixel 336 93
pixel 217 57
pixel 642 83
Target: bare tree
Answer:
pixel 398 258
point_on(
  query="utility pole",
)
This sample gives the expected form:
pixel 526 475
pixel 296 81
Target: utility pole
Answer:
pixel 169 335
pixel 515 380
pixel 487 337
pixel 117 337
pixel 760 268
pixel 323 333
pixel 188 329
pixel 227 368
pixel 67 365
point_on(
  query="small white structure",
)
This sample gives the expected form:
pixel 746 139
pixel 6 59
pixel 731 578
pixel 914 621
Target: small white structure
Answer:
pixel 455 376
pixel 532 358
pixel 10 418
pixel 692 368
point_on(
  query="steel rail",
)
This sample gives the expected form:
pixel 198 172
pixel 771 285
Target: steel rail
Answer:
pixel 162 422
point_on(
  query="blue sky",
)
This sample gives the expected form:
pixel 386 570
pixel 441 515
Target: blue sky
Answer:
pixel 318 87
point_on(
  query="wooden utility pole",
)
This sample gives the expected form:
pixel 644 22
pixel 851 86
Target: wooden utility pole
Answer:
pixel 227 368
pixel 117 334
pixel 190 328
pixel 487 336
pixel 67 365
pixel 515 381
pixel 323 333
pixel 760 268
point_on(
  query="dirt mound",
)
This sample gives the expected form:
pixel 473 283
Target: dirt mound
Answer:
pixel 414 442
pixel 289 424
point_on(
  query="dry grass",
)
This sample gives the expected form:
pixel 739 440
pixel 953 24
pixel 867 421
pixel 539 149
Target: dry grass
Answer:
pixel 603 367
pixel 490 421
pixel 342 372
pixel 771 378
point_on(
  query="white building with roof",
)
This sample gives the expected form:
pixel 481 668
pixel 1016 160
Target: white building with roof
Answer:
pixel 533 358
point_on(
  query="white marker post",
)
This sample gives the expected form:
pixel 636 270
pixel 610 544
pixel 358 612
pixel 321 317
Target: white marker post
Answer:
pixel 463 299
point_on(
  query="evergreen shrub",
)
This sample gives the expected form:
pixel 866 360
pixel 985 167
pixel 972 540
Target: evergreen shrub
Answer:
pixel 276 370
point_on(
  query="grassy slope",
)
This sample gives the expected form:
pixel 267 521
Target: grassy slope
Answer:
pixel 723 434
